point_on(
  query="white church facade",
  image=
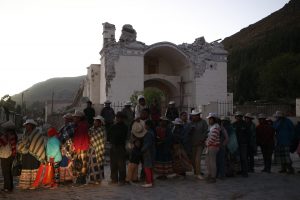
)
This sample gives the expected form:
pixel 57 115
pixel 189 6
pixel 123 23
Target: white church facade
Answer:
pixel 189 74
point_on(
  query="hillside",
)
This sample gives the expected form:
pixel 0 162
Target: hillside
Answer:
pixel 264 58
pixel 64 89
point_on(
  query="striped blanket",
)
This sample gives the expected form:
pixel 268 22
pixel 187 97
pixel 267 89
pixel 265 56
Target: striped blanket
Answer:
pixel 97 142
pixel 33 143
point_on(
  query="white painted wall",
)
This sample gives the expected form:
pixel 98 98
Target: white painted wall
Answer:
pixel 94 78
pixel 212 86
pixel 102 81
pixel 129 78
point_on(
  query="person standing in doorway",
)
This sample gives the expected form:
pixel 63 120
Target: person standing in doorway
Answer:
pixel 140 106
pixel 172 112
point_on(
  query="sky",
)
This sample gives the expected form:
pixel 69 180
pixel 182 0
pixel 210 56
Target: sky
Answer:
pixel 43 39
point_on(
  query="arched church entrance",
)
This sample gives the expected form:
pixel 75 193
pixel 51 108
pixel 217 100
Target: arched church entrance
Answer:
pixel 165 68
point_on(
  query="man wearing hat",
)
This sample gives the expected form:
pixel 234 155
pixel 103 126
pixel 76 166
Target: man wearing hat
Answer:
pixel 243 136
pixel 89 112
pixel 284 134
pixel 118 137
pixel 8 141
pixel 213 145
pixel 252 147
pixel 128 113
pixel 265 135
pixel 172 112
pixel 66 132
pixel 198 135
pixel 109 116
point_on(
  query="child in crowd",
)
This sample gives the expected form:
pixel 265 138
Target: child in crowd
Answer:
pixel 148 152
pixel 48 175
pixel 53 155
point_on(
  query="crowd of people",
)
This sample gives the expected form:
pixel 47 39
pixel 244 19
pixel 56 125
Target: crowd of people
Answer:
pixel 143 142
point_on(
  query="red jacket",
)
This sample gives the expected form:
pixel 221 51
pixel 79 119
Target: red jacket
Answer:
pixel 265 134
pixel 81 138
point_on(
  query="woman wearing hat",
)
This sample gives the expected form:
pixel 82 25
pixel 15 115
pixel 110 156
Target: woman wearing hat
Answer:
pixel 50 178
pixel 96 151
pixel 163 160
pixel 81 142
pixel 181 162
pixel 32 148
pixel 8 140
pixel 138 131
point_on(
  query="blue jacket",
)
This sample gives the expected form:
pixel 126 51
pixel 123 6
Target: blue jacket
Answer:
pixel 285 129
pixel 53 149
pixel 148 149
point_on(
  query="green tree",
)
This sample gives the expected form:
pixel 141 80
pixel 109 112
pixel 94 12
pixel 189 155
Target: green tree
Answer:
pixel 151 94
pixel 280 79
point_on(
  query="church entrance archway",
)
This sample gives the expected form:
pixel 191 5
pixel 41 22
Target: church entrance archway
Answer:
pixel 165 68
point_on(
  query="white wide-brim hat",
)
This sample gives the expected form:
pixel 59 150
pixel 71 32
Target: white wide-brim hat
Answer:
pixel 138 129
pixel 248 115
pixel 195 112
pixel 177 121
pixel 99 117
pixel 68 116
pixel 30 121
pixel 78 113
pixel 171 102
pixel 140 97
pixel 238 113
pixel 261 116
pixel 128 103
pixel 278 114
pixel 212 115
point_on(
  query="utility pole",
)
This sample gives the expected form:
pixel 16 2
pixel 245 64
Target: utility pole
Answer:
pixel 52 101
pixel 23 105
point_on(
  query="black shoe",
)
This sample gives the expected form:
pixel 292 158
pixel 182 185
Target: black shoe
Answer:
pixel 291 171
pixel 211 180
pixel 282 171
pixel 6 190
pixel 163 177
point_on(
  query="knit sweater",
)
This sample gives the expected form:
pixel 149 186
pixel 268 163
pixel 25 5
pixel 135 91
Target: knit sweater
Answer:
pixel 213 139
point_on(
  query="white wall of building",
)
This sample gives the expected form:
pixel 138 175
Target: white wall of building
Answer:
pixel 102 82
pixel 212 86
pixel 129 78
pixel 94 78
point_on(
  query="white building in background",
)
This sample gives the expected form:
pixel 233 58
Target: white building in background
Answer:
pixel 189 74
